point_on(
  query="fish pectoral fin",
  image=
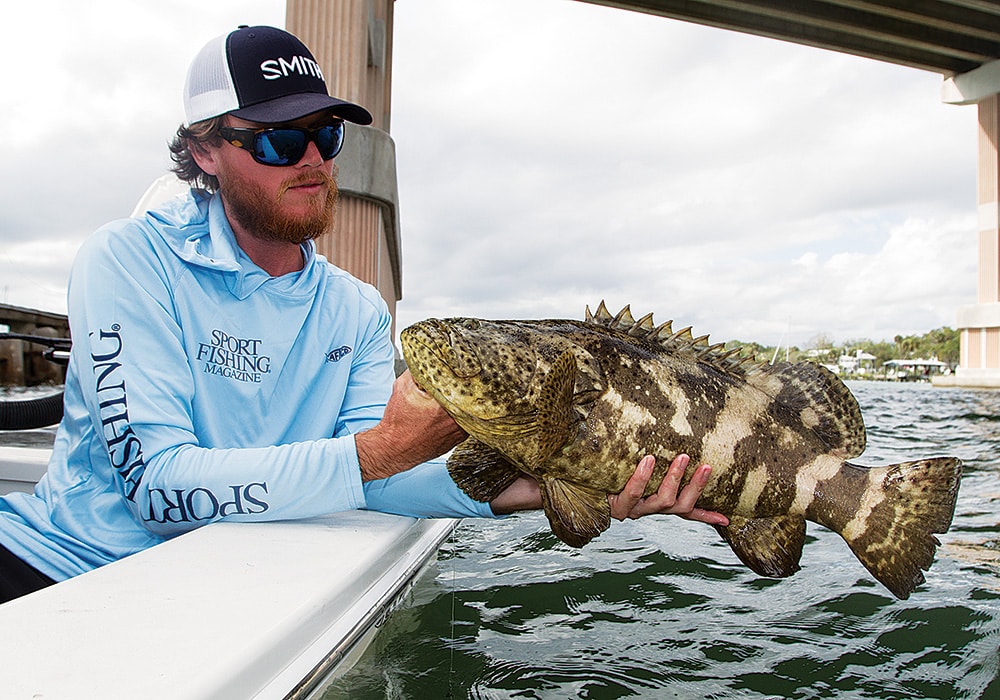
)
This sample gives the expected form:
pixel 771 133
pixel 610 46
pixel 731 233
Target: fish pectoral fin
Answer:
pixel 769 546
pixel 577 514
pixel 555 406
pixel 480 471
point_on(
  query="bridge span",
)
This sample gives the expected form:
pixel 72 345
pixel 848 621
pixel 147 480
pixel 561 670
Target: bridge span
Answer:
pixel 958 39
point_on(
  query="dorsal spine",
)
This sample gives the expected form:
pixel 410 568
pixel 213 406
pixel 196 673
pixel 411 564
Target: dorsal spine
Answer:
pixel 664 336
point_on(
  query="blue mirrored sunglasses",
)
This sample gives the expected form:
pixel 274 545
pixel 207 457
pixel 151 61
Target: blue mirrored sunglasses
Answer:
pixel 286 145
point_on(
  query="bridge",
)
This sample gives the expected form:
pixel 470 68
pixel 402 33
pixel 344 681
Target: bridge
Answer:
pixel 23 363
pixel 958 39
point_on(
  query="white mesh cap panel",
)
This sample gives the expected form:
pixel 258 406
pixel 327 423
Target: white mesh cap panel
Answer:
pixel 209 90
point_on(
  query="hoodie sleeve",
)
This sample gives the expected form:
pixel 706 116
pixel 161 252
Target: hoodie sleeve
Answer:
pixel 424 491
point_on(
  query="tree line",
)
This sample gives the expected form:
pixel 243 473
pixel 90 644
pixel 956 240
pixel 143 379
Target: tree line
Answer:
pixel 941 343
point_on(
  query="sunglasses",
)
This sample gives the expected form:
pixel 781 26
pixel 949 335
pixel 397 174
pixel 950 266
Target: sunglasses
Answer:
pixel 286 145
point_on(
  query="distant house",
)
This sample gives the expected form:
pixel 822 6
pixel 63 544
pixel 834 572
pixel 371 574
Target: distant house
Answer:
pixel 858 363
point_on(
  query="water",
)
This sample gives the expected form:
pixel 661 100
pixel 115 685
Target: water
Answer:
pixel 661 608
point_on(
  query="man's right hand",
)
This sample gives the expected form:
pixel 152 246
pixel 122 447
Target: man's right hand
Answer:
pixel 413 429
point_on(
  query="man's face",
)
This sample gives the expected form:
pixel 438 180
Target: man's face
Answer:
pixel 276 203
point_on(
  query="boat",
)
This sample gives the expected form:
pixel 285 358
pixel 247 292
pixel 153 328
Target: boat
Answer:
pixel 230 610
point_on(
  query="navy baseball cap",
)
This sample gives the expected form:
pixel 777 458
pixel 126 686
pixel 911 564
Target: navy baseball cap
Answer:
pixel 261 74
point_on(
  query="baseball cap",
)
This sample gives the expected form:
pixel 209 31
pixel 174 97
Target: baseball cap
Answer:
pixel 261 74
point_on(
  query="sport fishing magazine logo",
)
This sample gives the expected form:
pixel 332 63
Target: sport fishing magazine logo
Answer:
pixel 236 358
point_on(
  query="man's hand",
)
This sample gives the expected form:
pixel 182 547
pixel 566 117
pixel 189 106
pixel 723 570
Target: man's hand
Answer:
pixel 524 494
pixel 413 429
pixel 630 503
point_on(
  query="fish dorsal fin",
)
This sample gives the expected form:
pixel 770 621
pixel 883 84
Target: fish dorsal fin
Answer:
pixel 823 403
pixel 770 546
pixel 683 340
pixel 602 317
pixel 662 331
pixel 624 319
pixel 643 326
pixel 683 336
pixel 480 471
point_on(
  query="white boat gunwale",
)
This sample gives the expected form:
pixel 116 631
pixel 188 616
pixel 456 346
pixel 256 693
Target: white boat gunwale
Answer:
pixel 230 610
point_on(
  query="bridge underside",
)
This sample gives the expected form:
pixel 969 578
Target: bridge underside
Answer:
pixel 960 40
pixel 945 36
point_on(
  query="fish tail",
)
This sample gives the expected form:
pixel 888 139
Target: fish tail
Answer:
pixel 902 506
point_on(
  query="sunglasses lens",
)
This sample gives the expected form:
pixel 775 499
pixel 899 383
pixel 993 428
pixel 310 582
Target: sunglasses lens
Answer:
pixel 280 146
pixel 329 140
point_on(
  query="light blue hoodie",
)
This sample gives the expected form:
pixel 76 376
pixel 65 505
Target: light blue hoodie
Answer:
pixel 201 389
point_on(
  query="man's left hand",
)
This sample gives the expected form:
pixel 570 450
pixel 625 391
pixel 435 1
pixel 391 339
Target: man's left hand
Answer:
pixel 669 499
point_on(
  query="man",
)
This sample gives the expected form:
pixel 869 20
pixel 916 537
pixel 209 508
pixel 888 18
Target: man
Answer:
pixel 221 370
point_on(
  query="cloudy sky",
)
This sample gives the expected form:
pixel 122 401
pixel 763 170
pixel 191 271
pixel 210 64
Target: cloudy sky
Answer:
pixel 550 154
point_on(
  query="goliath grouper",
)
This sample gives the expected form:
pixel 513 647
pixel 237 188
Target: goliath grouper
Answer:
pixel 577 404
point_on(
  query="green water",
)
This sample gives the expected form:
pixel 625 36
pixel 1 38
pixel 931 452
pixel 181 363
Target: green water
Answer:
pixel 661 608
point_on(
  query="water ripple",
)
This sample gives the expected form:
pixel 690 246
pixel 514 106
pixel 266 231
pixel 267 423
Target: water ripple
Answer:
pixel 661 608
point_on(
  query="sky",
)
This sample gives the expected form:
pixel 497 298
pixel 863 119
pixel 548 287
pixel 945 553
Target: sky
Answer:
pixel 550 154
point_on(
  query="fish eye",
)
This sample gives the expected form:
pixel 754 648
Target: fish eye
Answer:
pixel 471 324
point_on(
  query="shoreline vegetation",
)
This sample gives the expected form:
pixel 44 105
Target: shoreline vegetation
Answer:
pixel 906 358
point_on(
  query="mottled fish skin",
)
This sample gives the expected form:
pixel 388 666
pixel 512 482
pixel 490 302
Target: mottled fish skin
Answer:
pixel 576 404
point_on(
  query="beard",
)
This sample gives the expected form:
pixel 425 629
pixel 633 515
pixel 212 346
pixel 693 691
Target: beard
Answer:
pixel 264 219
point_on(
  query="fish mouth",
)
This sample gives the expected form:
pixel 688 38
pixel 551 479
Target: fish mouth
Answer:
pixel 438 342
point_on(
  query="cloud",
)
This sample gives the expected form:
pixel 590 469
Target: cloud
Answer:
pixel 684 170
pixel 92 94
pixel 550 154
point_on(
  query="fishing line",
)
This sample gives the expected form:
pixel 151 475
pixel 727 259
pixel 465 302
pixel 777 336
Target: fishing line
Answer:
pixel 454 578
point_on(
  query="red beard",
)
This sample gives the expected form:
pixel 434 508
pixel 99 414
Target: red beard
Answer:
pixel 250 207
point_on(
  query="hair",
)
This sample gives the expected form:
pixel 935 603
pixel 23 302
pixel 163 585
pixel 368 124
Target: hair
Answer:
pixel 189 139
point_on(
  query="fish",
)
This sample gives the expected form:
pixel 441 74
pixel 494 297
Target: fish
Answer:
pixel 576 404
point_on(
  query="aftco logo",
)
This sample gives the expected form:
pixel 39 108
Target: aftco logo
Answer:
pixel 338 354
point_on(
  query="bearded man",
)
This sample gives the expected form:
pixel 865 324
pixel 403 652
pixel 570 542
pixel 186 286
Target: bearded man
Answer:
pixel 221 369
